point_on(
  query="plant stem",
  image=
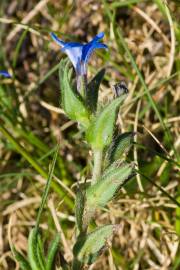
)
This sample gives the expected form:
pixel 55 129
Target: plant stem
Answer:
pixel 97 165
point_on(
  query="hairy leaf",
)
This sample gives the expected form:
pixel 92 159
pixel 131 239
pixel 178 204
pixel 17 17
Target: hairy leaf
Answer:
pixel 40 252
pixel 120 145
pixel 104 190
pixel 88 247
pixel 100 131
pixel 32 250
pixel 24 264
pixel 72 102
pixel 52 252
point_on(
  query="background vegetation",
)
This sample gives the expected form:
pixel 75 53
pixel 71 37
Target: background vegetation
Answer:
pixel 144 42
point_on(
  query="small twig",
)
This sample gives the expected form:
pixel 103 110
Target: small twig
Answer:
pixel 59 229
pixel 10 224
pixel 159 256
pixel 135 148
pixel 160 188
pixel 51 107
pixel 20 204
pixel 151 22
pixel 71 193
pixel 28 18
pixel 158 142
pixel 161 169
pixel 173 42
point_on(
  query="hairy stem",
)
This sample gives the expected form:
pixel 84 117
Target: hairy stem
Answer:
pixel 97 165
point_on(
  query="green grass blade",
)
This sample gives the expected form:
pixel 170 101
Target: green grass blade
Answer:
pixel 52 252
pixel 118 4
pixel 159 187
pixel 24 264
pixel 47 187
pixel 18 47
pixel 32 250
pixel 40 251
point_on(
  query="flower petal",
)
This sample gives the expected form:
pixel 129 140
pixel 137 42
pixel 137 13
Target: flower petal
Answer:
pixel 78 53
pixel 72 49
pixel 70 45
pixel 89 48
pixel 5 74
pixel 98 37
pixel 75 55
pixel 57 40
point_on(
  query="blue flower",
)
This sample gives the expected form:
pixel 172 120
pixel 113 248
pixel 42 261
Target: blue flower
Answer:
pixel 78 53
pixel 5 74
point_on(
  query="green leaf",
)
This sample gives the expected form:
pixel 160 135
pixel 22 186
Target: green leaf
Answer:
pixel 120 145
pixel 24 264
pixel 100 131
pixel 52 252
pixel 72 102
pixel 32 250
pixel 93 89
pixel 88 247
pixel 40 252
pixel 103 190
